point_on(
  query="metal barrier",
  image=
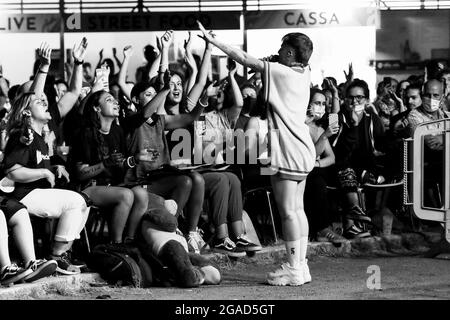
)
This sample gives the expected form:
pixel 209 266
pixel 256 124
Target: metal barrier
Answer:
pixel 414 194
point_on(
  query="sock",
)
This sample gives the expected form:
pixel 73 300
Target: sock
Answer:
pixel 293 252
pixel 303 248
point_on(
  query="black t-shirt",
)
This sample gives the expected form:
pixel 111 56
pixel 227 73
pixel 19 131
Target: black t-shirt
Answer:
pixel 33 156
pixel 91 147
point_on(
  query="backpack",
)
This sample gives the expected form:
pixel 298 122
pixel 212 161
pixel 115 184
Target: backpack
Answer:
pixel 121 265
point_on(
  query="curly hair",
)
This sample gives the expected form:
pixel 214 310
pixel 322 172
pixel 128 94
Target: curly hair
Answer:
pixel 19 119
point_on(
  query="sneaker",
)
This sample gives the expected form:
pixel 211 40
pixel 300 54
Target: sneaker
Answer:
pixel 228 247
pixel 40 269
pixel 354 232
pixel 328 235
pixel 195 240
pixel 78 262
pixel 65 266
pixel 245 244
pixel 306 274
pixel 13 273
pixel 286 276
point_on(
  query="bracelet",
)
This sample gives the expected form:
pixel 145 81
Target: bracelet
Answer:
pixel 78 62
pixel 40 71
pixel 202 105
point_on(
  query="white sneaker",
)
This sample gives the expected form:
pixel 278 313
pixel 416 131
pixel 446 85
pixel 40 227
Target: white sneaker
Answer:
pixel 306 274
pixel 194 238
pixel 286 276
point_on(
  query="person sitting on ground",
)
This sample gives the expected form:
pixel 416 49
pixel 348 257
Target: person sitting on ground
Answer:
pixel 14 216
pixel 160 239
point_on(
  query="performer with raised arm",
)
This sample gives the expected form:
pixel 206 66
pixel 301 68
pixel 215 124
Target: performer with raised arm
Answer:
pixel 292 154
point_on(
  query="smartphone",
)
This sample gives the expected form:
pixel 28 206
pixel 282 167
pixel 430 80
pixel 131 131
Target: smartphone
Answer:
pixel 100 72
pixel 333 118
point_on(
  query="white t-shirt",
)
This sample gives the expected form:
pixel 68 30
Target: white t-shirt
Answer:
pixel 291 151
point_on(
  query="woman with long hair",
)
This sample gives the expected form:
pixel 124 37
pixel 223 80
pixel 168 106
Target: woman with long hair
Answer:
pixel 27 162
pixel 99 155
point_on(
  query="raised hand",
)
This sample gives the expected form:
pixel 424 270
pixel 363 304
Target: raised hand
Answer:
pixel 100 83
pixel 128 51
pixel 100 53
pixel 158 44
pixel 114 50
pixel 167 39
pixel 45 53
pixel 207 36
pixel 79 52
pixel 188 42
pixel 349 75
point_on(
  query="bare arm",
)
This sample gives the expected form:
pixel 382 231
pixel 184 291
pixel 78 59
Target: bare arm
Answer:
pixel 116 57
pixel 200 83
pixel 22 174
pixel 86 172
pixel 238 102
pixel 183 120
pixel 327 158
pixel 155 104
pixel 236 54
pixel 190 62
pixel 155 65
pixel 44 53
pixel 121 81
pixel 68 100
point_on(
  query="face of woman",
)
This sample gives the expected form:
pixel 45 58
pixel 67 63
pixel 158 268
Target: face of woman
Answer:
pixel 109 107
pixel 39 108
pixel 317 106
pixel 176 89
pixel 147 95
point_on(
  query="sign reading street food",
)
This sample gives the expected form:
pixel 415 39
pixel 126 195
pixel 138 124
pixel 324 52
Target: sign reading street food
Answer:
pixel 312 18
pixel 112 22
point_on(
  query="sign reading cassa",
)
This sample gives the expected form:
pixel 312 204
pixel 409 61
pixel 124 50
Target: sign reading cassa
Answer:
pixel 307 18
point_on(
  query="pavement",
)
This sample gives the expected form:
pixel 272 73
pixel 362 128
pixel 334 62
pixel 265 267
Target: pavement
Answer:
pixel 406 244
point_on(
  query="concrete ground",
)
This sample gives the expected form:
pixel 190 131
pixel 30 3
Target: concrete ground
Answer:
pixel 374 268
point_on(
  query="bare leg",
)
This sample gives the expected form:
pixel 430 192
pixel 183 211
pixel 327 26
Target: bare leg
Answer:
pixel 140 205
pixel 4 252
pixel 23 235
pixel 285 193
pixel 117 198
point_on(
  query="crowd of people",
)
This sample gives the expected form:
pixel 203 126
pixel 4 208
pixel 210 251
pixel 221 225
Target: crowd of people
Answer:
pixel 102 141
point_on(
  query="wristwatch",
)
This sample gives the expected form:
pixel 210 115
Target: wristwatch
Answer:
pixel 78 62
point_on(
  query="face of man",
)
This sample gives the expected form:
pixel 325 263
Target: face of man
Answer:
pixel 286 55
pixel 433 96
pixel 413 98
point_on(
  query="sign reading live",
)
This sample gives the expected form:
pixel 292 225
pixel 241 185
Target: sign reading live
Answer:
pixel 345 17
pixel 114 22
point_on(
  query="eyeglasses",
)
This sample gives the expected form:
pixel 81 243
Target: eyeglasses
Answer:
pixel 358 98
